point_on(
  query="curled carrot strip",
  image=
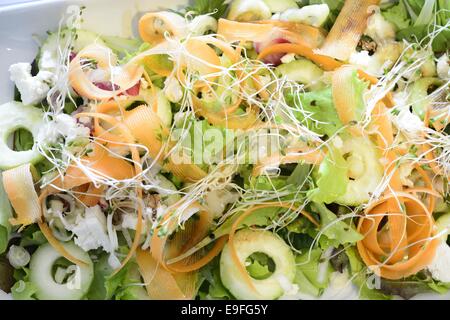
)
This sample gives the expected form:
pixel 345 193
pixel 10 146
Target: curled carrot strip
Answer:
pixel 414 240
pixel 182 267
pixel 129 140
pixel 348 29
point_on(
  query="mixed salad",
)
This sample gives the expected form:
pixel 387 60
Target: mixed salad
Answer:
pixel 246 149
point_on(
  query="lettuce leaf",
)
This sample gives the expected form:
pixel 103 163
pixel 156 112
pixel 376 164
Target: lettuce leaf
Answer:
pixel 211 284
pixel 307 273
pixel 423 14
pixel 318 112
pixel 23 289
pixel 5 215
pixel 124 285
pixel 398 15
pixel 358 274
pixel 331 178
pixel 337 232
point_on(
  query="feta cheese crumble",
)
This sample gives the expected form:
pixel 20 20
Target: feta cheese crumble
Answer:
pixel 408 123
pixel 65 126
pixel 32 89
pixel 440 266
pixel 443 67
pixel 90 230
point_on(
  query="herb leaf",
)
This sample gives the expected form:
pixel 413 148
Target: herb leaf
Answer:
pixel 217 7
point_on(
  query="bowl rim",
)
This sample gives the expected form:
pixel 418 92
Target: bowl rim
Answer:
pixel 27 5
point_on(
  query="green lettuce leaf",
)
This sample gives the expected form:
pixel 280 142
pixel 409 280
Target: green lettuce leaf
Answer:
pixel 337 232
pixel 423 15
pixel 211 284
pixel 32 236
pixel 124 285
pixel 103 288
pixel 332 180
pixel 132 287
pixel 398 15
pixel 317 111
pixel 5 215
pixel 307 273
pixel 358 276
pixel 23 289
pixel 199 7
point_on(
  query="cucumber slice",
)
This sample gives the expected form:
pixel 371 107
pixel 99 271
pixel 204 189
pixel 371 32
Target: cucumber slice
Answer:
pixel 48 59
pixel 365 171
pixel 443 223
pixel 246 243
pixel 314 15
pixel 303 71
pixel 164 110
pixel 200 25
pixel 167 197
pixel 419 97
pixel 41 274
pixel 281 5
pixel 14 116
pixel 122 45
pixel 249 10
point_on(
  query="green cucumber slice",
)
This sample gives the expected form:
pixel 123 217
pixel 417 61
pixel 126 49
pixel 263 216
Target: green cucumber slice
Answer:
pixel 246 243
pixel 48 59
pixel 14 116
pixel 164 110
pixel 122 45
pixel 249 10
pixel 443 223
pixel 303 71
pixel 281 5
pixel 419 97
pixel 41 274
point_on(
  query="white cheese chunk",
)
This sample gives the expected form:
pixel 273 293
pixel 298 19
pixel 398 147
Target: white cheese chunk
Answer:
pixel 90 231
pixel 65 126
pixel 32 89
pixel 379 29
pixel 443 67
pixel 440 266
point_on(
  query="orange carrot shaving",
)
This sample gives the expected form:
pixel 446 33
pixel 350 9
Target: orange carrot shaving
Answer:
pixel 182 267
pixel 19 186
pixel 348 29
pixel 160 283
pixel 128 76
pixel 381 247
pixel 129 140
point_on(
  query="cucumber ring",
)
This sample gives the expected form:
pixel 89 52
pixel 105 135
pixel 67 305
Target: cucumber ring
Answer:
pixel 14 116
pixel 249 10
pixel 366 169
pixel 246 243
pixel 41 276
